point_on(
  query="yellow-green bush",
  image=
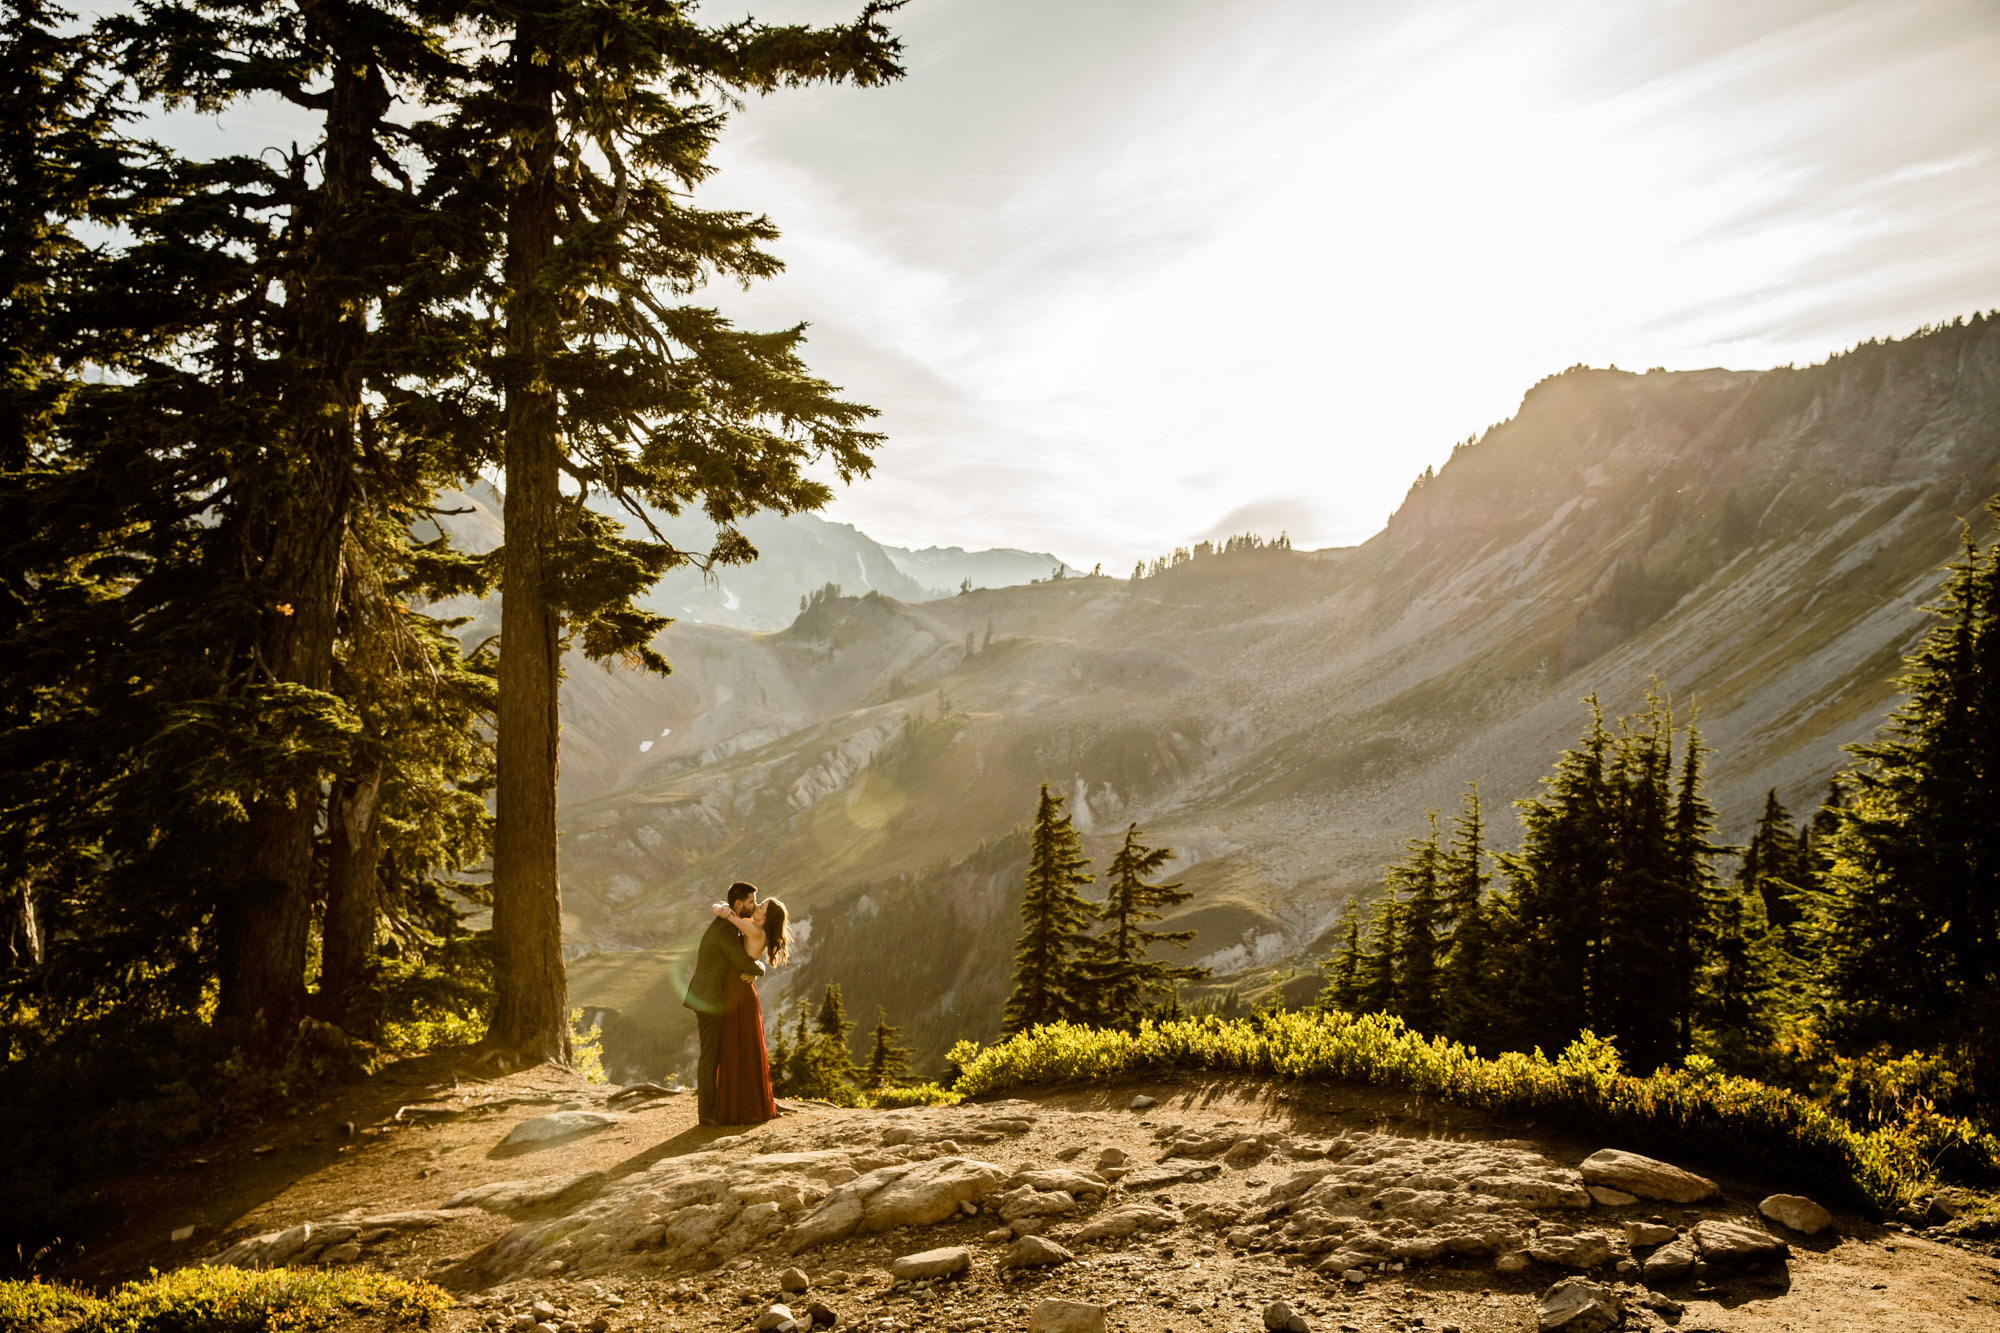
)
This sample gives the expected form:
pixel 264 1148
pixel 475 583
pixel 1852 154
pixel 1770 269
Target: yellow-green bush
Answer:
pixel 27 1307
pixel 220 1300
pixel 1695 1109
pixel 914 1094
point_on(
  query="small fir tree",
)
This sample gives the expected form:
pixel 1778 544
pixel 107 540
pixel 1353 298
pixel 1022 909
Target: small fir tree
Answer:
pixel 888 1063
pixel 1122 981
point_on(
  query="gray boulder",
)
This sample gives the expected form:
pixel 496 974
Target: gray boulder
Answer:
pixel 1646 1178
pixel 1127 1220
pixel 1577 1306
pixel 1280 1317
pixel 559 1125
pixel 1055 1315
pixel 1671 1261
pixel 1733 1243
pixel 1648 1233
pixel 1797 1212
pixel 1034 1252
pixel 932 1263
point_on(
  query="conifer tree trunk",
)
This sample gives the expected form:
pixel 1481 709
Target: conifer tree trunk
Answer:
pixel 354 859
pixel 531 993
pixel 302 528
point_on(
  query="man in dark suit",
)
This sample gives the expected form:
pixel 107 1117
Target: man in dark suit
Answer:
pixel 721 953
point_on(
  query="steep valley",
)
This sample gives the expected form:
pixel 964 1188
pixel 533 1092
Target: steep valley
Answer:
pixel 1760 544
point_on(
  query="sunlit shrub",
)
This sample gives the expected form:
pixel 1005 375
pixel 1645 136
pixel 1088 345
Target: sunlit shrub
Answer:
pixel 914 1094
pixel 1696 1109
pixel 221 1300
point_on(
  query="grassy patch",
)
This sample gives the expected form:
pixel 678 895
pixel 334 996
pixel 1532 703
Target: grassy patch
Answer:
pixel 220 1300
pixel 1692 1110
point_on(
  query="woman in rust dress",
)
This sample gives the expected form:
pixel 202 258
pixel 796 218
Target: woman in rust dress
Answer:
pixel 743 1075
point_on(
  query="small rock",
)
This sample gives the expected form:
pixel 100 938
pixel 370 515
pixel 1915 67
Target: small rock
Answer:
pixel 1034 1252
pixel 1360 1275
pixel 1059 1316
pixel 543 1311
pixel 1111 1157
pixel 1586 1249
pixel 1513 1261
pixel 340 1254
pixel 1577 1306
pixel 560 1125
pixel 600 1325
pixel 545 1327
pixel 1612 1198
pixel 182 1233
pixel 1673 1260
pixel 932 1263
pixel 1280 1317
pixel 1797 1212
pixel 1000 1235
pixel 1142 1102
pixel 1732 1243
pixel 776 1319
pixel 1648 1233
pixel 821 1315
pixel 794 1279
pixel 1646 1178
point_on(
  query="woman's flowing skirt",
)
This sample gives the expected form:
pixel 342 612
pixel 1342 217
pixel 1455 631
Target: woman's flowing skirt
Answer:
pixel 743 1079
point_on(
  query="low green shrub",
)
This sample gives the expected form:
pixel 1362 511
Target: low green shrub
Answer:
pixel 1697 1109
pixel 220 1300
pixel 914 1094
pixel 34 1306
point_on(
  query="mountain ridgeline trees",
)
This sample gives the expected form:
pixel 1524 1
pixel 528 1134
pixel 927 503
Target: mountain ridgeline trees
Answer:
pixel 248 773
pixel 1064 973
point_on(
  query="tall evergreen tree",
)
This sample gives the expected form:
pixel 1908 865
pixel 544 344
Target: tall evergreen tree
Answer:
pixel 1121 981
pixel 1774 863
pixel 1416 883
pixel 582 132
pixel 1378 987
pixel 1555 896
pixel 1466 981
pixel 1054 923
pixel 888 1062
pixel 1343 969
pixel 1915 861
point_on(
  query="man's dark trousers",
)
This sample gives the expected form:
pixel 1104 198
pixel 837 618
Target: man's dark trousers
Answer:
pixel 721 953
pixel 709 1028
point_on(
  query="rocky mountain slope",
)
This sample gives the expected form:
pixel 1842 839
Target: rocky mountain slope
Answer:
pixel 1760 543
pixel 1198 1206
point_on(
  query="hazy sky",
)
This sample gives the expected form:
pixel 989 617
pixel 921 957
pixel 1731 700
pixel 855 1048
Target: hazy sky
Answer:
pixel 1125 275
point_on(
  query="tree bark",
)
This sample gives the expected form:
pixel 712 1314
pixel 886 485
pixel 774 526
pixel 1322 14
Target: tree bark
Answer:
pixel 353 861
pixel 266 920
pixel 531 991
pixel 20 934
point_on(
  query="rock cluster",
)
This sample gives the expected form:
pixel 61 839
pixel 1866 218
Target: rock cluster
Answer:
pixel 337 1240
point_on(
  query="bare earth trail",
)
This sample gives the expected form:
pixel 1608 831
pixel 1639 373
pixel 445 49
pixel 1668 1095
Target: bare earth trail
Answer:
pixel 427 1133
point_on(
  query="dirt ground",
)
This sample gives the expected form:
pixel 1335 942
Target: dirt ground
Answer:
pixel 423 1129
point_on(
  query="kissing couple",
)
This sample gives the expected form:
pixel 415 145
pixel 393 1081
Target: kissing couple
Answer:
pixel 733 1080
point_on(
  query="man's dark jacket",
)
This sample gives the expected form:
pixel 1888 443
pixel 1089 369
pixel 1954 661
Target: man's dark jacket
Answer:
pixel 720 954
